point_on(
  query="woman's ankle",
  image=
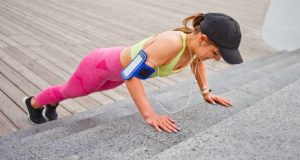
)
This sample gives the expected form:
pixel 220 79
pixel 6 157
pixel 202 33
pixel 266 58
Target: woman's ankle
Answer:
pixel 34 104
pixel 53 104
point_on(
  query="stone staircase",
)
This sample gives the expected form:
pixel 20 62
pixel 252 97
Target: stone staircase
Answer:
pixel 263 122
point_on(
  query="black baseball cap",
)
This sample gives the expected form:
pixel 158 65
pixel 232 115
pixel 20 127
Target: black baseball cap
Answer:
pixel 225 32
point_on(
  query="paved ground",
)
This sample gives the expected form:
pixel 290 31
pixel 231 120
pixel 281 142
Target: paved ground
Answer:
pixel 41 42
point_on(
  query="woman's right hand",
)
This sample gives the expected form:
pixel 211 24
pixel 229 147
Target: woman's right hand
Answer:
pixel 162 122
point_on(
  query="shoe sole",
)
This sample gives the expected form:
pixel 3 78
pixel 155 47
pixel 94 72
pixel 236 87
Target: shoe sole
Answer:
pixel 28 116
pixel 49 119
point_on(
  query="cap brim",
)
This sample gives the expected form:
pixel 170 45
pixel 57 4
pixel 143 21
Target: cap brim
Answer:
pixel 231 56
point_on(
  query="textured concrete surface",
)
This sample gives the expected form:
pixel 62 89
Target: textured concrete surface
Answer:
pixel 273 82
pixel 267 130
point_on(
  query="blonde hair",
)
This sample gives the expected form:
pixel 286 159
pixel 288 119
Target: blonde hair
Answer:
pixel 196 19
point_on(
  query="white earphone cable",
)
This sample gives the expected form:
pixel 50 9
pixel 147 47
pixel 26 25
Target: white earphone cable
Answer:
pixel 190 95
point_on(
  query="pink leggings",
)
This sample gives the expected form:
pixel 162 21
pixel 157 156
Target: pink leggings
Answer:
pixel 99 70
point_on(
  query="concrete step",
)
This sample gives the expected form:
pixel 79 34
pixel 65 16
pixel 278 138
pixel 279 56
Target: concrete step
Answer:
pixel 71 123
pixel 256 63
pixel 128 136
pixel 267 130
pixel 248 75
pixel 81 143
pixel 208 117
pixel 252 69
pixel 68 126
pixel 192 120
pixel 246 71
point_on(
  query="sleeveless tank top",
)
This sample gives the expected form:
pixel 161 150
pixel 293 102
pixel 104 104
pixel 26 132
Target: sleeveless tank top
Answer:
pixel 164 70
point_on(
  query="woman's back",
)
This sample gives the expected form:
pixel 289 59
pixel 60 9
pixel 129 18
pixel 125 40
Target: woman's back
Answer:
pixel 169 39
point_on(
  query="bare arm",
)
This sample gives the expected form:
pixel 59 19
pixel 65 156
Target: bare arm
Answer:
pixel 136 90
pixel 199 70
pixel 137 93
pixel 158 51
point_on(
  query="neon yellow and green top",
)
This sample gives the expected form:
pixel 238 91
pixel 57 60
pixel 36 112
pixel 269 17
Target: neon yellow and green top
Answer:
pixel 164 70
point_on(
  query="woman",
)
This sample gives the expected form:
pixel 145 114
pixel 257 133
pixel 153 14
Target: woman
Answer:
pixel 214 35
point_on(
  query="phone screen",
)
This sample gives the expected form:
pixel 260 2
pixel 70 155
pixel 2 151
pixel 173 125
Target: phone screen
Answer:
pixel 133 65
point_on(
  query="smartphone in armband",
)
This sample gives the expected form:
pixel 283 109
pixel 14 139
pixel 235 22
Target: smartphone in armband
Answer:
pixel 138 68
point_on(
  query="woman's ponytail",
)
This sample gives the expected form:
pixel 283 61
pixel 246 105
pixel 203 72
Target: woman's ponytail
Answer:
pixel 196 19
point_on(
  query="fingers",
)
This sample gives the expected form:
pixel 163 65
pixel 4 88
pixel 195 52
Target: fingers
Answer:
pixel 170 119
pixel 166 125
pixel 156 127
pixel 163 122
pixel 172 123
pixel 213 99
pixel 171 126
pixel 210 100
pixel 223 101
pixel 228 102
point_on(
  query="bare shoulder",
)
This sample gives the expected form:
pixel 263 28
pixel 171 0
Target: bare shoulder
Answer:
pixel 171 39
pixel 164 46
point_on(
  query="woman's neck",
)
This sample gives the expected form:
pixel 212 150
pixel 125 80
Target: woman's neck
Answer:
pixel 190 43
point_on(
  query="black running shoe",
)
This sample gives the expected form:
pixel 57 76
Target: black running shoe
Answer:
pixel 35 115
pixel 51 113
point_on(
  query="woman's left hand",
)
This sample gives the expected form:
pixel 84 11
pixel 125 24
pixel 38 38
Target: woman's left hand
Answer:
pixel 213 99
